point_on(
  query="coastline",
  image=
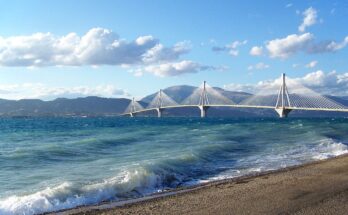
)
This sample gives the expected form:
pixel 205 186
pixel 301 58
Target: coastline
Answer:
pixel 319 187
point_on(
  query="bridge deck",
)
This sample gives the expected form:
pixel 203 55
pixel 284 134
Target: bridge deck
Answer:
pixel 241 106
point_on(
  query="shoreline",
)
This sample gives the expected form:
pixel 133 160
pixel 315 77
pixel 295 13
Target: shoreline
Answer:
pixel 155 203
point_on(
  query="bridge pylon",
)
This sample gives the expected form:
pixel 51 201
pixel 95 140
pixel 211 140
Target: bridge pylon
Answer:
pixel 159 108
pixel 203 101
pixel 132 110
pixel 283 100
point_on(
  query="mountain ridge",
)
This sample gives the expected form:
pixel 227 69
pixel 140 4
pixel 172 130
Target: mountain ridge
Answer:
pixel 100 106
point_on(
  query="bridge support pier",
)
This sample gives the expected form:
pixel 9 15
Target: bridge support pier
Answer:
pixel 131 114
pixel 204 110
pixel 283 112
pixel 159 112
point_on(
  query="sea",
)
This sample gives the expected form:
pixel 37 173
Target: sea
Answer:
pixel 50 164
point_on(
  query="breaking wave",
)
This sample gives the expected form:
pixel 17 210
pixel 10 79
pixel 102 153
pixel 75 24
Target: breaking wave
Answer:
pixel 112 165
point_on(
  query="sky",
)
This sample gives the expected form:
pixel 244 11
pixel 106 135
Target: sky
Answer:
pixel 51 49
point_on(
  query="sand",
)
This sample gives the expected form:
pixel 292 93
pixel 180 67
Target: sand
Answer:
pixel 316 188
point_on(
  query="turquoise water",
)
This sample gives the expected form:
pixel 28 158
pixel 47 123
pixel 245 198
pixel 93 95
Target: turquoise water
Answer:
pixel 49 164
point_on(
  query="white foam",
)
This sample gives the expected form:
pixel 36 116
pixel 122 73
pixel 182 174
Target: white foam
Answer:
pixel 68 195
pixel 325 148
pixel 328 148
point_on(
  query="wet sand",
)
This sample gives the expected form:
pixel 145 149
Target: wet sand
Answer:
pixel 316 188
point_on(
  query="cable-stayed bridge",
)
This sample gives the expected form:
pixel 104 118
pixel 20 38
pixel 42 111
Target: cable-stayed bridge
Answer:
pixel 284 95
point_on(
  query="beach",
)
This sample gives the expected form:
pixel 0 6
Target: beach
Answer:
pixel 315 188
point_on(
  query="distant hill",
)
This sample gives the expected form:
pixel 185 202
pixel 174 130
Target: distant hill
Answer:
pixel 97 106
pixel 63 107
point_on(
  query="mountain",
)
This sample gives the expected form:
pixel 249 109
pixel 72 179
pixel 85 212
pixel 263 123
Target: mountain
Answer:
pixel 90 106
pixel 177 93
pixel 97 106
pixel 180 93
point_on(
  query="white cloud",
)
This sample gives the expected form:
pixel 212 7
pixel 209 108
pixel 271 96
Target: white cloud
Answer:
pixel 250 88
pixel 42 91
pixel 256 51
pixel 258 66
pixel 97 47
pixel 233 52
pixel 334 46
pixel 288 5
pixel 159 53
pixel 309 18
pixel 285 47
pixel 172 68
pixel 326 46
pixel 236 44
pixel 330 83
pixel 312 64
pixel 231 49
pixel 294 43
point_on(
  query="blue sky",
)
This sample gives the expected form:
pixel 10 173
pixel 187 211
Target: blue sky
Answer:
pixel 52 49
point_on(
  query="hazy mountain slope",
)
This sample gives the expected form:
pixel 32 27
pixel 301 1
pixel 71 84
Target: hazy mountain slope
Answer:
pixel 62 106
pixel 97 106
pixel 179 93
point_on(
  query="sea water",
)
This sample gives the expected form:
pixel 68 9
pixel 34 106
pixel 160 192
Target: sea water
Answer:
pixel 49 164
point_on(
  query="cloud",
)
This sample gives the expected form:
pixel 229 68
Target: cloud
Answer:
pixel 174 68
pixel 256 51
pixel 309 18
pixel 330 46
pixel 330 83
pixel 233 52
pixel 258 66
pixel 285 47
pixel 288 5
pixel 303 42
pixel 294 43
pixel 312 64
pixel 97 47
pixel 159 53
pixel 44 92
pixel 231 49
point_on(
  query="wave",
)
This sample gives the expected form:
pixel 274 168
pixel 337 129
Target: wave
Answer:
pixel 128 184
pixel 324 148
pixel 134 182
pixel 136 161
pixel 329 148
pixel 187 169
